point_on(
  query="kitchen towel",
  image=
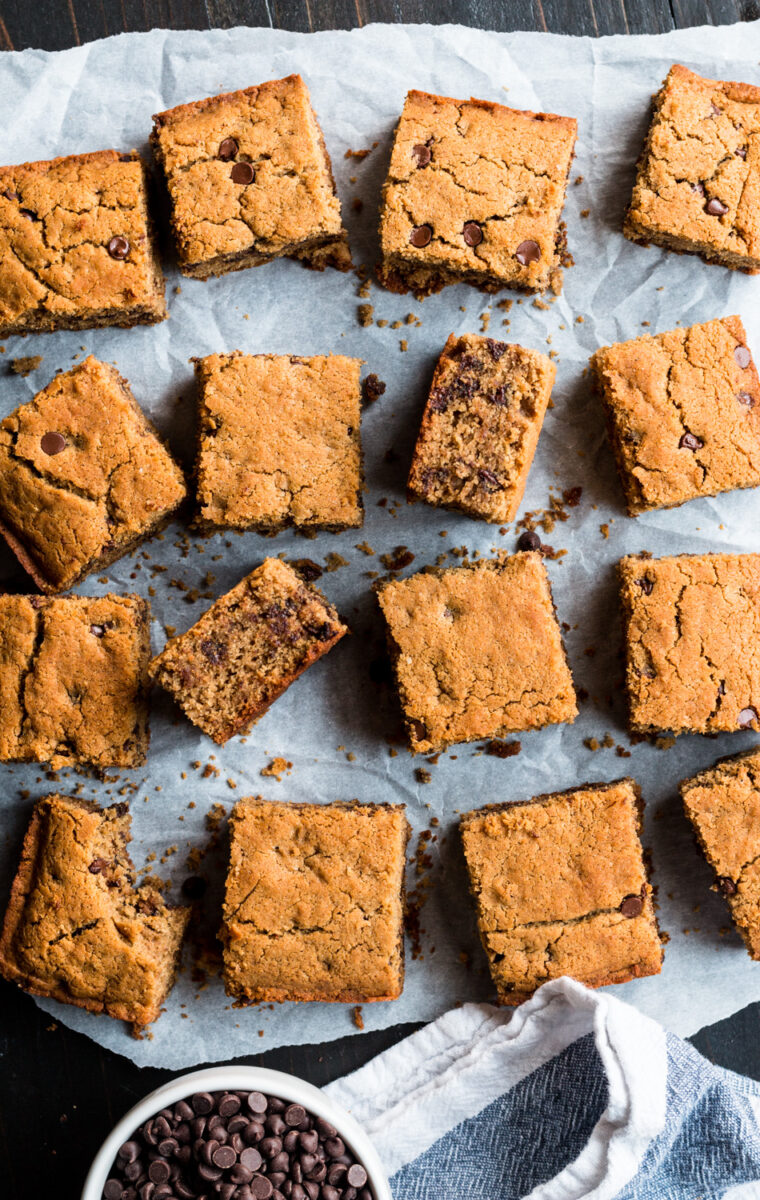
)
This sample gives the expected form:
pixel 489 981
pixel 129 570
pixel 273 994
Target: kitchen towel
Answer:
pixel 577 1096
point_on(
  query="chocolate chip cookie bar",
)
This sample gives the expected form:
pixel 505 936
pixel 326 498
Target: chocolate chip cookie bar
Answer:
pixel 313 908
pixel 476 651
pixel 697 189
pixel 76 928
pixel 249 179
pixel 247 649
pixel 683 413
pixel 74 680
pixel 723 805
pixel 77 249
pixel 474 194
pixel 278 442
pixel 561 889
pixel 692 641
pixel 480 427
pixel 84 477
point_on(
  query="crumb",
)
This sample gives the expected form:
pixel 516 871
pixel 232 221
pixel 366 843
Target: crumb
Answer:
pixel 422 775
pixel 365 548
pixel 400 558
pixel 356 1016
pixel 585 212
pixel 365 313
pixel 604 530
pixel 277 768
pixel 333 561
pixel 403 344
pixel 579 320
pixel 25 366
pixel 501 749
pixel 372 389
pixel 359 153
pixel 306 568
pixel 591 743
pixel 540 304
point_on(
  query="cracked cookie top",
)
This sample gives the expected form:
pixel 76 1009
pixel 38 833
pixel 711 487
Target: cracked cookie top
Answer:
pixel 279 442
pixel 476 189
pixel 684 413
pixel 83 476
pixel 313 907
pixel 698 182
pixel 477 651
pixel 76 244
pixel 692 633
pixel 247 172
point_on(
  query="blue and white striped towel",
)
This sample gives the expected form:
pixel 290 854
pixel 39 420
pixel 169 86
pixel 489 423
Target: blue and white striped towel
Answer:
pixel 577 1095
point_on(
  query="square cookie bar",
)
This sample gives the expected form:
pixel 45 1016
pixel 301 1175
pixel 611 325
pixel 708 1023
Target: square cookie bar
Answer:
pixel 683 413
pixel 76 928
pixel 474 194
pixel 723 805
pixel 249 179
pixel 247 649
pixel 278 442
pixel 314 902
pixel 480 427
pixel 74 680
pixel 476 651
pixel 84 477
pixel 697 188
pixel 692 632
pixel 77 249
pixel 561 889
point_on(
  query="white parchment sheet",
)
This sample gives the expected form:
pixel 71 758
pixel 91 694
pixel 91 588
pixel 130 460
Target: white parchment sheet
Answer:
pixel 103 95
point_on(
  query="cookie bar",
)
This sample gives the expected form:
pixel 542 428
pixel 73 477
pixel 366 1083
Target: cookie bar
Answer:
pixel 84 477
pixel 476 651
pixel 480 427
pixel 247 649
pixel 249 179
pixel 314 906
pixel 697 189
pixel 474 194
pixel 692 640
pixel 76 928
pixel 561 889
pixel 278 442
pixel 77 249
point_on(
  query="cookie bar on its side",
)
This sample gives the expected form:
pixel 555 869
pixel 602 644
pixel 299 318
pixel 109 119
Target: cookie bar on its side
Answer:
pixel 561 889
pixel 480 427
pixel 476 651
pixel 314 904
pixel 247 649
pixel 76 928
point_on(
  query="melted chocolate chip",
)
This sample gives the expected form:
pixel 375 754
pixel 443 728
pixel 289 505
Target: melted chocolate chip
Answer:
pixel 472 233
pixel 118 247
pixel 419 730
pixel 741 152
pixel 9 195
pixel 499 397
pixel 97 865
pixel 489 481
pixel 632 906
pixel 690 441
pixel 716 207
pixel 27 212
pixel 746 399
pixel 496 349
pixel 528 252
pixel 421 236
pixel 714 110
pixel 52 443
pixel 421 154
pixel 646 585
pixel 242 173
pixel 742 356
pixel 228 148
pixel 439 399
pixel 726 885
pixel 216 652
pixel 699 188
pixel 746 717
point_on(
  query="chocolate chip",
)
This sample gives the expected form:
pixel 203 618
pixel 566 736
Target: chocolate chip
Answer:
pixel 496 349
pixel 262 1188
pixel 113 1190
pixel 529 541
pixel 741 152
pixel 202 1103
pixel 646 584
pixel 439 399
pixel 690 441
pixel 357 1176
pixel 472 233
pixel 52 443
pixel 97 630
pixel 421 154
pixel 742 356
pixel 228 148
pixel 715 207
pixel 420 733
pixel 699 188
pixel 726 885
pixel 9 195
pixel 216 652
pixel 528 252
pixel 130 1150
pixel 335 1146
pixel 294 1114
pixel 96 866
pixel 223 1157
pixel 118 247
pixel 27 212
pixel 159 1171
pixel 746 399
pixel 242 173
pixel 489 481
pixel 421 236
pixel 714 110
pixel 632 906
pixel 746 717
pixel 229 1105
pixel 251 1158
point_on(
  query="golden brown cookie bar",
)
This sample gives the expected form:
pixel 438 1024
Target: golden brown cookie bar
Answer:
pixel 692 637
pixel 249 180
pixel 561 889
pixel 474 194
pixel 77 249
pixel 723 805
pixel 247 649
pixel 477 651
pixel 697 190
pixel 74 680
pixel 84 477
pixel 683 413
pixel 480 427
pixel 314 905
pixel 279 442
pixel 76 928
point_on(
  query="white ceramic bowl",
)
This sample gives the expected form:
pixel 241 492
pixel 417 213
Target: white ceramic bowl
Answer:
pixel 249 1079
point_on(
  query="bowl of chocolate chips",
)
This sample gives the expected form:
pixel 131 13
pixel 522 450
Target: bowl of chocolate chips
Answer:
pixel 237 1133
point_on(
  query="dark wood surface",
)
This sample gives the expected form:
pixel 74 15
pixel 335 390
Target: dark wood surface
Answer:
pixel 59 1092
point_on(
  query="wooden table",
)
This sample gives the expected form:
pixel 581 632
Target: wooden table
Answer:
pixel 60 1092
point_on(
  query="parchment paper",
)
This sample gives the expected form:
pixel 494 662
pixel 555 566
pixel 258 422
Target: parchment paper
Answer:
pixel 333 724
